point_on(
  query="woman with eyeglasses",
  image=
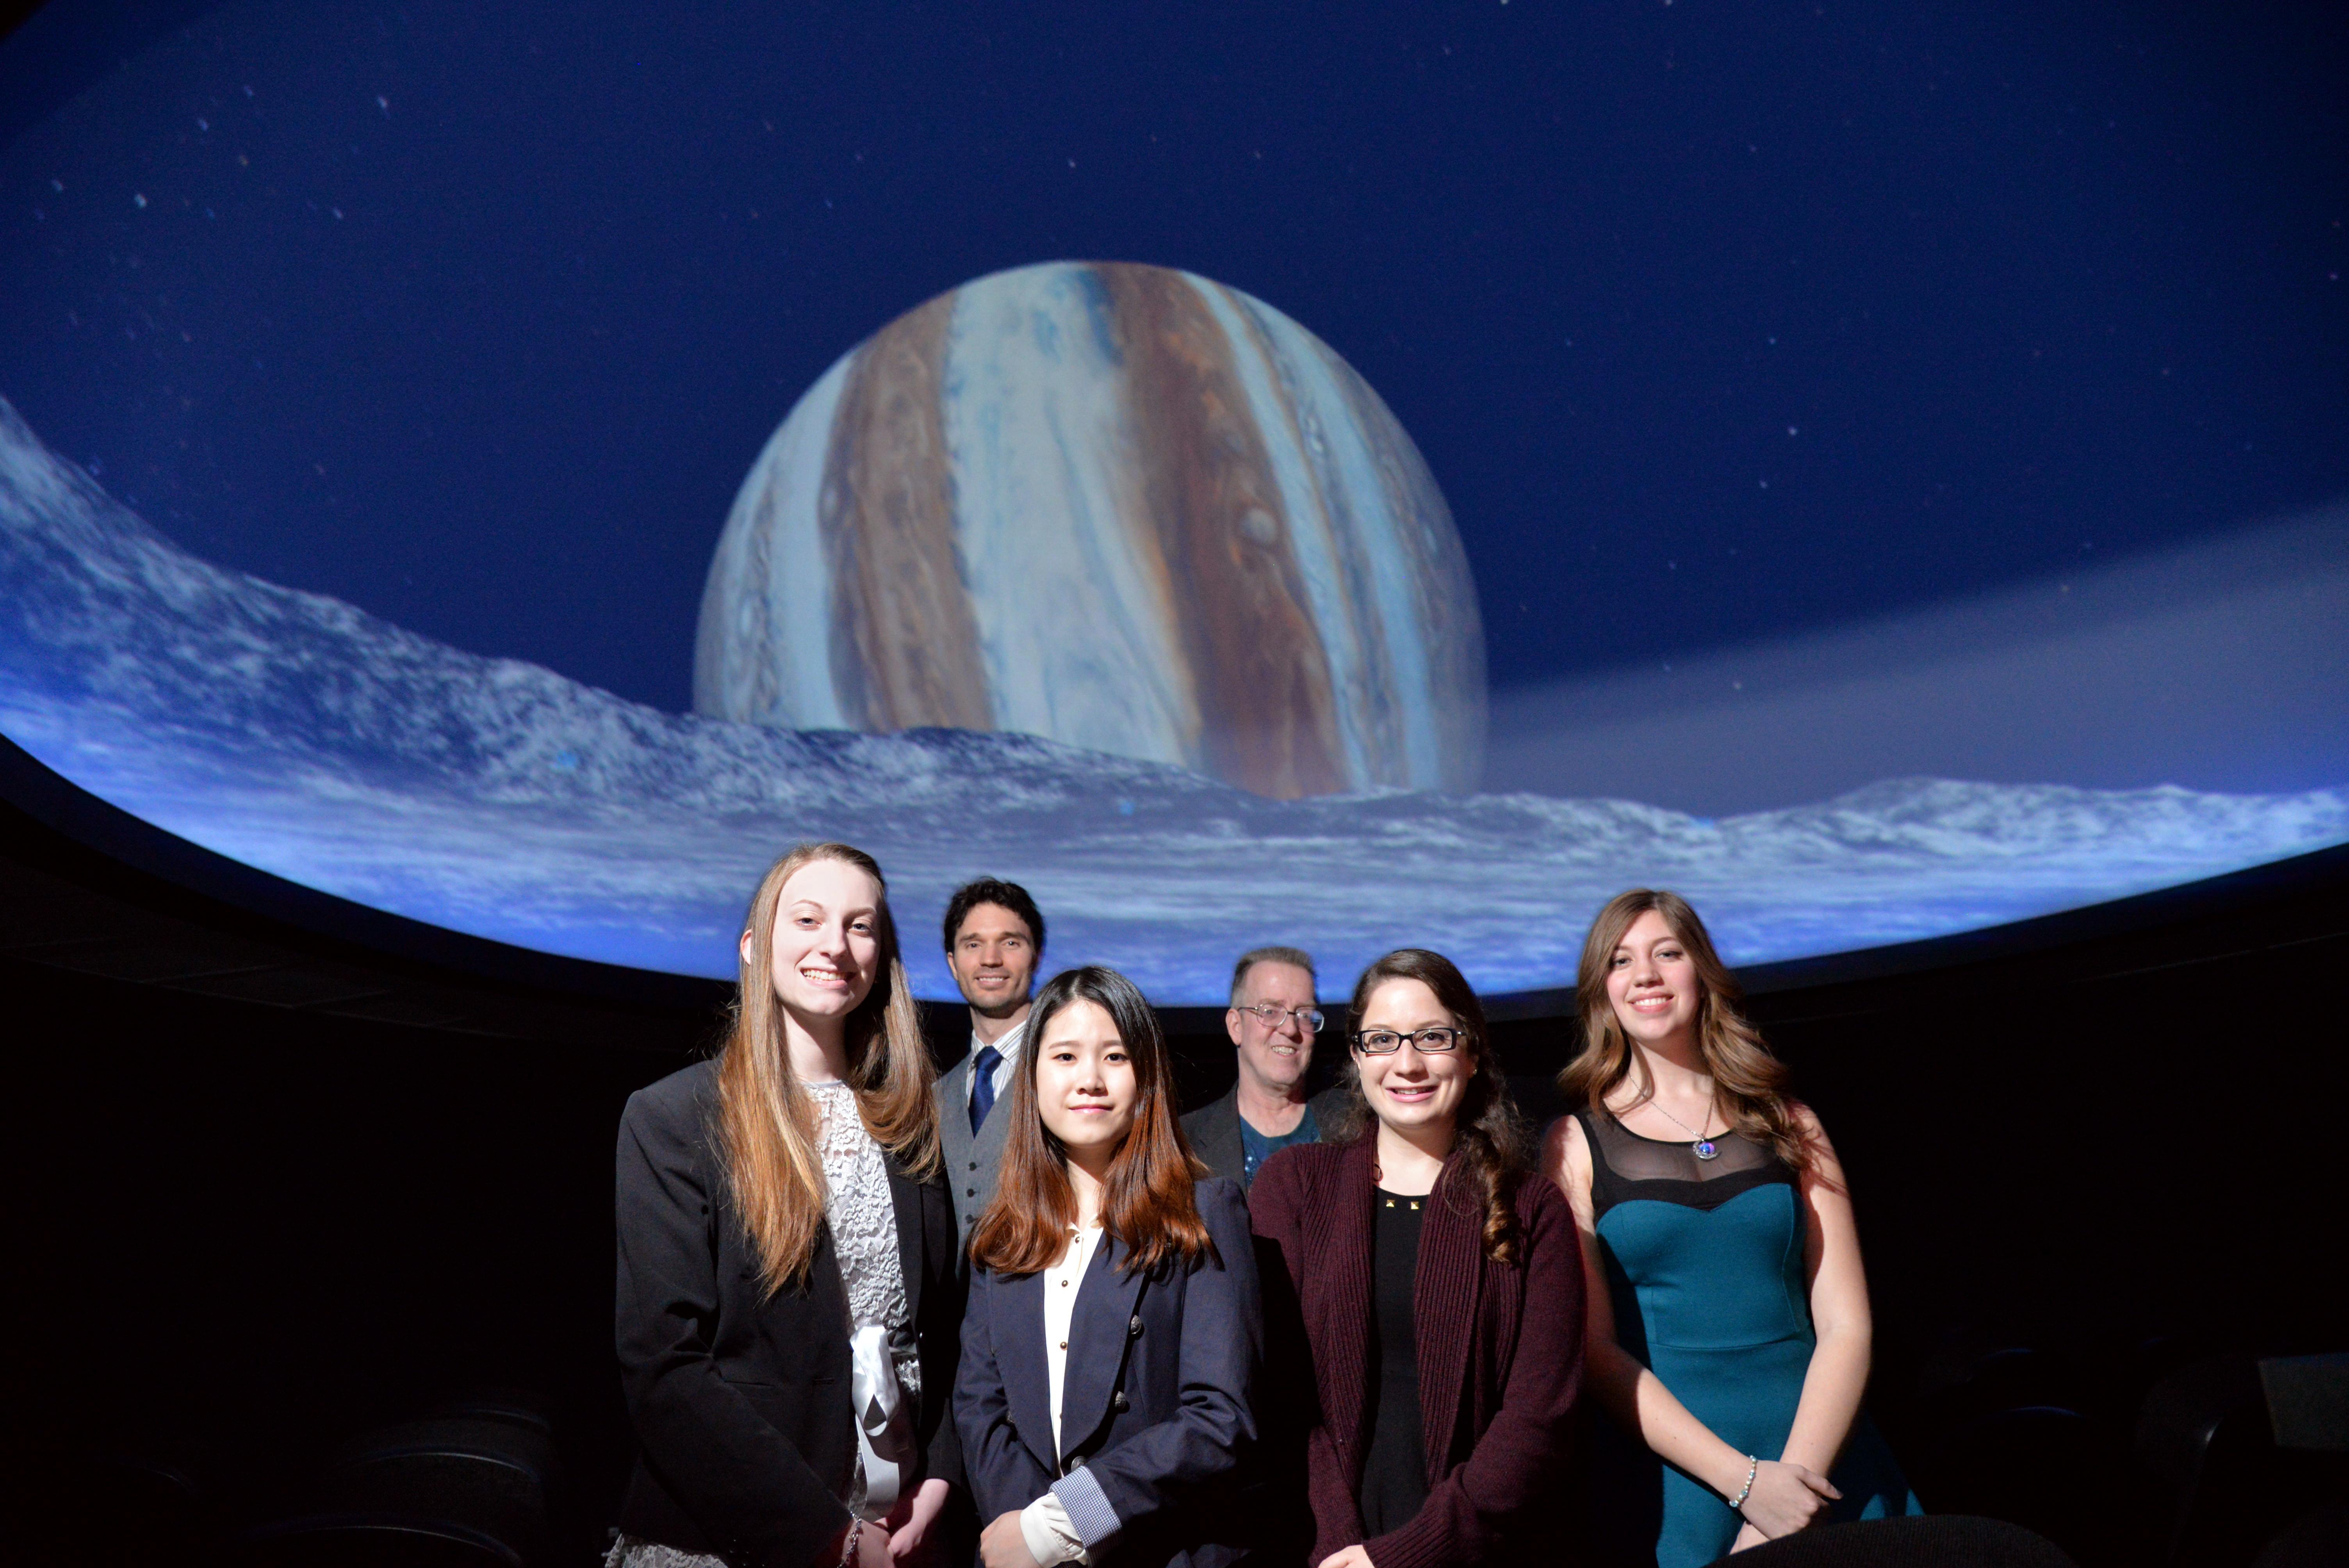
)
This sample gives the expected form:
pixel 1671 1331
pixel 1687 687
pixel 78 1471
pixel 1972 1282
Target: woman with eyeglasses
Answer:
pixel 1728 1325
pixel 1430 1280
pixel 1110 1344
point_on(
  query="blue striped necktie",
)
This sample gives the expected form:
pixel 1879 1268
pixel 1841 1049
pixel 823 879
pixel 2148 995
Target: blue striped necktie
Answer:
pixel 982 1086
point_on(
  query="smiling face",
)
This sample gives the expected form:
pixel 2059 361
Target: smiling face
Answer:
pixel 826 943
pixel 993 959
pixel 1410 1090
pixel 1652 983
pixel 1275 1055
pixel 1085 1088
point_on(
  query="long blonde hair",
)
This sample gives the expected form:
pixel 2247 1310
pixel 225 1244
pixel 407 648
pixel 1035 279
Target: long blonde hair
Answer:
pixel 766 1122
pixel 1748 1081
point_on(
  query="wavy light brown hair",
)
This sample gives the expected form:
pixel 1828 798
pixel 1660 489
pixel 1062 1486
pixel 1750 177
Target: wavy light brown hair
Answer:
pixel 766 1124
pixel 1748 1081
pixel 1496 1153
pixel 1147 1201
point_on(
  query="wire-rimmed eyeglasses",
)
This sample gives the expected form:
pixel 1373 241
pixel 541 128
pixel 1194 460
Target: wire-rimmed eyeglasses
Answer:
pixel 1386 1042
pixel 1308 1019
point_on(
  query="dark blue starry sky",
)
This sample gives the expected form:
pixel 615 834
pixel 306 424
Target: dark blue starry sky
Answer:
pixel 1714 320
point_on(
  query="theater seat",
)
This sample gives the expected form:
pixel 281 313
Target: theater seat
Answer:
pixel 516 1407
pixel 1930 1540
pixel 2317 1538
pixel 492 1477
pixel 2050 1470
pixel 118 1507
pixel 2233 1452
pixel 368 1541
pixel 2204 1443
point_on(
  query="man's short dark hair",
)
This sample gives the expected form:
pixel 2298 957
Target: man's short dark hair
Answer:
pixel 1256 955
pixel 993 890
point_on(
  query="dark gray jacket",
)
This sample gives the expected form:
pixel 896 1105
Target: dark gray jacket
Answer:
pixel 1213 1130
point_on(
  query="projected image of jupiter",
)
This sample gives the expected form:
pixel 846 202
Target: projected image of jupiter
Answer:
pixel 1117 506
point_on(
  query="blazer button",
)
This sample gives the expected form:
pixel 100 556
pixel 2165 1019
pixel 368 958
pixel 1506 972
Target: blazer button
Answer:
pixel 1133 1327
pixel 974 1164
pixel 1117 1401
pixel 970 1191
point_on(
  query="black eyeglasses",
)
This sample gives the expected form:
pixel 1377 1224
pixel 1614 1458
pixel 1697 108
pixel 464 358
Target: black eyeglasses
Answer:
pixel 1307 1019
pixel 1386 1042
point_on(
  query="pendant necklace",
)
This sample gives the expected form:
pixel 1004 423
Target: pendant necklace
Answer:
pixel 1705 1147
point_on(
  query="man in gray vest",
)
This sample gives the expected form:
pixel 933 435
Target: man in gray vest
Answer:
pixel 994 937
pixel 1273 1023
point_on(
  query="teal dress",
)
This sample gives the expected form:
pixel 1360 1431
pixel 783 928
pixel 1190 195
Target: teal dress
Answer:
pixel 1704 1267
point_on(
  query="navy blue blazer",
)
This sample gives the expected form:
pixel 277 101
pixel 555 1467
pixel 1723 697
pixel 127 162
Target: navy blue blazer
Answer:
pixel 1156 1400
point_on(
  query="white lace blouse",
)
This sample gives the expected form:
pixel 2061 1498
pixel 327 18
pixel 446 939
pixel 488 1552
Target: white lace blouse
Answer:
pixel 863 1220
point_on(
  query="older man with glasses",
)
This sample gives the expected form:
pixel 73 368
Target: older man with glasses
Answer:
pixel 1273 1023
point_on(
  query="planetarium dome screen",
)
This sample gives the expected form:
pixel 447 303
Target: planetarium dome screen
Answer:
pixel 524 468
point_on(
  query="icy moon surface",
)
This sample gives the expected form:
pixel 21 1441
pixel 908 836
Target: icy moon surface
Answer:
pixel 1116 506
pixel 302 736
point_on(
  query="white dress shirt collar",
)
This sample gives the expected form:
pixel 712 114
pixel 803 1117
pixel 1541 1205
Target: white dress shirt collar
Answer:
pixel 1008 1046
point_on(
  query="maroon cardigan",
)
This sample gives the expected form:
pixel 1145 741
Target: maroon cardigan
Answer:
pixel 1500 1351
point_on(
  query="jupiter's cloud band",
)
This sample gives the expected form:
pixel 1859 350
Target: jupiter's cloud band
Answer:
pixel 1118 506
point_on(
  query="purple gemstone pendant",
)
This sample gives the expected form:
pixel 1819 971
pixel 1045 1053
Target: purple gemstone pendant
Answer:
pixel 1706 1149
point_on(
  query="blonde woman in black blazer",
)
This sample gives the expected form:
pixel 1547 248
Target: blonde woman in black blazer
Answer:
pixel 789 1300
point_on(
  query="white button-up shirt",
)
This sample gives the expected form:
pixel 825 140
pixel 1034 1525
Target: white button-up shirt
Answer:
pixel 1044 1523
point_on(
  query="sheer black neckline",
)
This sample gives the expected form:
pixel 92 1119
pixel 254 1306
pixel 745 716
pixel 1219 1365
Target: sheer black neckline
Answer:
pixel 1676 1142
pixel 1627 1165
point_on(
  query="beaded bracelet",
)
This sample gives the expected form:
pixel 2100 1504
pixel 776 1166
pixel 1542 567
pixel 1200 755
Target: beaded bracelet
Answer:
pixel 1738 1503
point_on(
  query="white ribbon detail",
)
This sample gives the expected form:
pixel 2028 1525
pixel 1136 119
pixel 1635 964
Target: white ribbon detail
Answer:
pixel 884 1435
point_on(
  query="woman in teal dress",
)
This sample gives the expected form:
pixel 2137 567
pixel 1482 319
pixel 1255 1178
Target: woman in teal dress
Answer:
pixel 1728 1312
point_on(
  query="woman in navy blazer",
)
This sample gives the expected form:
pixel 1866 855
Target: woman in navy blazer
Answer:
pixel 1112 1336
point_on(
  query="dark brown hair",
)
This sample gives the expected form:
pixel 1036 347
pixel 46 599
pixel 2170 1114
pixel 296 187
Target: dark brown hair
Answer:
pixel 1147 1201
pixel 1004 895
pixel 1748 1081
pixel 766 1122
pixel 1495 1149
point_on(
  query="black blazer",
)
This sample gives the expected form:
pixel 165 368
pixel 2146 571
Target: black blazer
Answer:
pixel 1157 1401
pixel 746 1438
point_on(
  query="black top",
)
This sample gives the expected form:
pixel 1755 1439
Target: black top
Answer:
pixel 1394 1472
